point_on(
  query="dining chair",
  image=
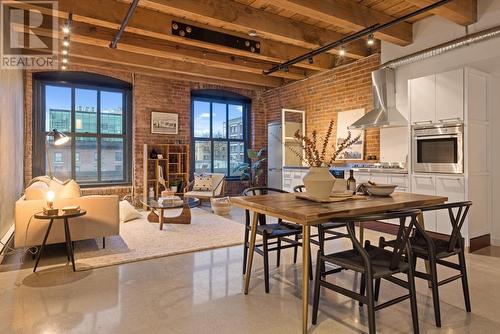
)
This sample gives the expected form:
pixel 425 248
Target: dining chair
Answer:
pixel 434 249
pixel 326 231
pixel 373 263
pixel 275 237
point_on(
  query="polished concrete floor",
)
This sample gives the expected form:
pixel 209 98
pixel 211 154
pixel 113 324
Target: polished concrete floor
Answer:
pixel 202 293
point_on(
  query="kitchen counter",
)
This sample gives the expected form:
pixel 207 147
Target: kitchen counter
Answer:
pixel 381 170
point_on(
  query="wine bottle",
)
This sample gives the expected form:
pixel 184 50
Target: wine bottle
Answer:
pixel 351 181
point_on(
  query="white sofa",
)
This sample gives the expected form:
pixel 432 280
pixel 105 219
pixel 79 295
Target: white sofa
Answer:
pixel 102 220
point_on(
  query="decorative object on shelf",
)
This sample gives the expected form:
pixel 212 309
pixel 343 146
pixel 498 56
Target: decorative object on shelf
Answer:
pixel 164 123
pixel 221 206
pixel 252 171
pixel 159 156
pixel 319 181
pixel 153 154
pixel 161 179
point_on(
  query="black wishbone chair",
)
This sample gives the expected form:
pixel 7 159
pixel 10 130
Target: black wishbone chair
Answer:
pixel 373 263
pixel 435 250
pixel 275 235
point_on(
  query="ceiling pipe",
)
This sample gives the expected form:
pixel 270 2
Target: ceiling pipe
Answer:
pixel 444 47
pixel 351 38
pixel 130 13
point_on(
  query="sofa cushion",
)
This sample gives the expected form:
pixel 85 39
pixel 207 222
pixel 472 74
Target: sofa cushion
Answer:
pixel 36 191
pixel 69 190
pixel 128 212
pixel 202 182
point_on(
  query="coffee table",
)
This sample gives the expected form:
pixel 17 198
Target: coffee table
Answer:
pixel 67 234
pixel 158 209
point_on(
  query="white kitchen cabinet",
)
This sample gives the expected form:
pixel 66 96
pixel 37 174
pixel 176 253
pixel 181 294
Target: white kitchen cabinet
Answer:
pixel 450 95
pixel 423 99
pixel 452 187
pixel 425 185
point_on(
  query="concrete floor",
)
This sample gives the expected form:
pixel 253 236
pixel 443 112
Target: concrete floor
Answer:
pixel 202 293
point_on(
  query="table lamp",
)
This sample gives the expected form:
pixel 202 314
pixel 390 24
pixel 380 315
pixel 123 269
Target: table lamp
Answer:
pixel 49 210
pixel 59 139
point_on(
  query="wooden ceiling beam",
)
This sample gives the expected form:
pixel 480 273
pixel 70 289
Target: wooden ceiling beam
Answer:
pixel 230 15
pixel 125 58
pixel 350 15
pixel 463 12
pixel 92 35
pixel 158 25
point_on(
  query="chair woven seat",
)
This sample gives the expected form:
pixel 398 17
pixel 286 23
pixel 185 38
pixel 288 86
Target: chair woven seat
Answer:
pixel 420 247
pixel 283 229
pixel 380 260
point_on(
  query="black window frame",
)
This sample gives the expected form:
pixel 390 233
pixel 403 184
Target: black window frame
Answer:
pixel 81 80
pixel 228 99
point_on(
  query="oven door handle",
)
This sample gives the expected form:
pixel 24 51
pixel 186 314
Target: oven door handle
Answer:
pixel 437 137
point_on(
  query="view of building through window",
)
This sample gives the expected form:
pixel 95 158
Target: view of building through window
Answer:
pixel 219 136
pixel 94 120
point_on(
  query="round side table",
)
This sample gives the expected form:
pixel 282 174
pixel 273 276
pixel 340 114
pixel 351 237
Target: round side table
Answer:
pixel 67 234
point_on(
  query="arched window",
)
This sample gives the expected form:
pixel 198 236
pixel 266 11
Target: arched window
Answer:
pixel 95 111
pixel 220 131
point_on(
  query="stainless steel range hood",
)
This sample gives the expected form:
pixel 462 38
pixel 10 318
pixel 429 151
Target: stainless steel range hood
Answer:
pixel 384 114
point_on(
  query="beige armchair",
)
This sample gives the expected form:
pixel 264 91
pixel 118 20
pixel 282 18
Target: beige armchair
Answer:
pixel 102 220
pixel 218 188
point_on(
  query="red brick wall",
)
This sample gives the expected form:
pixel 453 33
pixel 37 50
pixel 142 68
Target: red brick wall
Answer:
pixel 322 96
pixel 149 94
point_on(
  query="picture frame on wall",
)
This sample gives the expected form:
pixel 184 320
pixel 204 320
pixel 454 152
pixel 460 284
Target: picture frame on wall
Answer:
pixel 164 123
pixel 344 120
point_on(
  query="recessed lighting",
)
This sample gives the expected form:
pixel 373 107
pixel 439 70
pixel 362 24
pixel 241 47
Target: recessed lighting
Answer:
pixel 65 29
pixel 63 67
pixel 342 51
pixel 66 42
pixel 65 60
pixel 64 52
pixel 370 41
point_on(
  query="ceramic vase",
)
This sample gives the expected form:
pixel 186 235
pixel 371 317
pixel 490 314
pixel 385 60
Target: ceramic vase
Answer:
pixel 319 182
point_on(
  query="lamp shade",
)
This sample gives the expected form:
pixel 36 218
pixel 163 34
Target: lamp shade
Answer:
pixel 59 137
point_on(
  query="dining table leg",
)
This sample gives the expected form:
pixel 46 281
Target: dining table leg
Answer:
pixel 306 260
pixel 253 236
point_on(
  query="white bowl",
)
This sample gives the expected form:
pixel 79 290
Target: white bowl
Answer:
pixel 380 189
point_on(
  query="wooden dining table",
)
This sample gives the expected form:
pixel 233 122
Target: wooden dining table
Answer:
pixel 308 213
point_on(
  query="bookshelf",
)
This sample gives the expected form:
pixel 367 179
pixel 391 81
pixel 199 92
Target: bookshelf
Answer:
pixel 174 166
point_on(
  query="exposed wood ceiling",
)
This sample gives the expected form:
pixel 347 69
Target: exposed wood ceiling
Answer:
pixel 284 28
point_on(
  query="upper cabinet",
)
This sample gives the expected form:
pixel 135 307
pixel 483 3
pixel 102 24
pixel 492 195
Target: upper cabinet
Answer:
pixel 437 98
pixel 450 95
pixel 423 99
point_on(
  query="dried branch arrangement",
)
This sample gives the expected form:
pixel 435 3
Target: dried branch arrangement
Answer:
pixel 317 157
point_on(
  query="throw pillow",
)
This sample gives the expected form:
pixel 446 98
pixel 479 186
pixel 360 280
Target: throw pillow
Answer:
pixel 128 212
pixel 37 190
pixel 69 190
pixel 202 182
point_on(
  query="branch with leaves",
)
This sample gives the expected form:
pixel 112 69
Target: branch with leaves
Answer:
pixel 312 156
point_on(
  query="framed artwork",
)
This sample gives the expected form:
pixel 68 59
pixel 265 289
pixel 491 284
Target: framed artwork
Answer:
pixel 164 123
pixel 344 120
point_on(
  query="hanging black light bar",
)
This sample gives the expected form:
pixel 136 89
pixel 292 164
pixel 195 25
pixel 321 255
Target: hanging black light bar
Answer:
pixel 354 37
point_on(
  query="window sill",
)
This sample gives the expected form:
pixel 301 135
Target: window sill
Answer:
pixel 104 185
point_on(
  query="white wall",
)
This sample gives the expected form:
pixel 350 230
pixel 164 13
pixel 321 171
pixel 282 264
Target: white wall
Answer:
pixel 484 56
pixel 11 145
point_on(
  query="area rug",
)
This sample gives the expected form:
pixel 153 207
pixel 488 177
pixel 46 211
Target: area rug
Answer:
pixel 141 240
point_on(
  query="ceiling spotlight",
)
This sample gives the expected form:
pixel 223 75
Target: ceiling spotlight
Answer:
pixel 65 60
pixel 370 41
pixel 66 41
pixel 342 51
pixel 310 60
pixel 65 29
pixel 64 52
pixel 252 33
pixel 63 67
pixel 286 69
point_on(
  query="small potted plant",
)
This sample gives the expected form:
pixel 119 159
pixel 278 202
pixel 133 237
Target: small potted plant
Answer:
pixel 319 181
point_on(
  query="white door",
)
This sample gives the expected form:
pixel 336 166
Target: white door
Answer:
pixel 452 187
pixel 450 95
pixel 423 99
pixel 425 185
